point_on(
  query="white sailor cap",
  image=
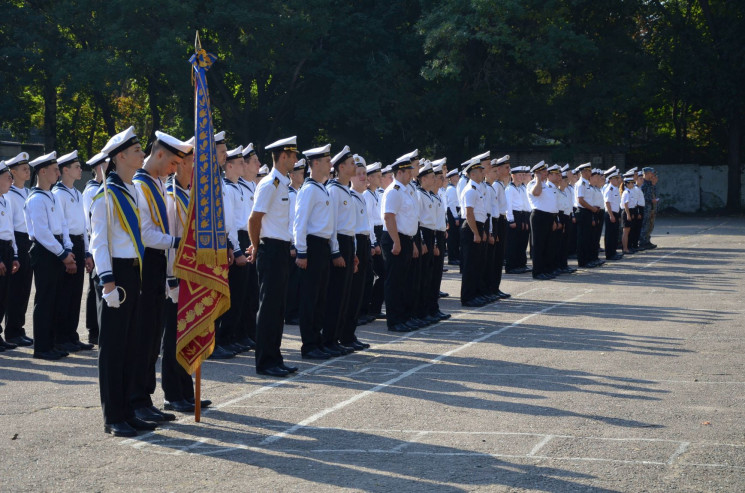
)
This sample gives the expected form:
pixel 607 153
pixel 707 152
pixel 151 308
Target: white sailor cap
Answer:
pixel 403 162
pixel 613 175
pixel 629 176
pixel 220 137
pixel 372 168
pixel 249 150
pixel 318 152
pixel 300 165
pixel 554 169
pixel 610 171
pixel 452 172
pixel 120 142
pixel 411 155
pixel 565 168
pixel 99 158
pixel 516 169
pixel 632 170
pixel 342 156
pixel 563 174
pixel 538 167
pixel 3 168
pixel 190 142
pixel 21 158
pixel 426 169
pixel 289 144
pixel 440 162
pixel 640 173
pixel 263 171
pixel 172 144
pixel 387 169
pixel 359 161
pixel 68 159
pixel 504 159
pixel 597 171
pixel 235 153
pixel 472 165
pixel 481 157
pixel 583 166
pixel 44 160
pixel 437 168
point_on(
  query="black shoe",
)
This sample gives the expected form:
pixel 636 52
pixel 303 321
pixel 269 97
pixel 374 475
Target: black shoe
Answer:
pixel 332 351
pixel 503 295
pixel 221 353
pixel 432 320
pixel 22 341
pixel 445 269
pixel 248 342
pixel 442 315
pixel 420 324
pixel 343 348
pixel 48 355
pixel 67 347
pixel 290 369
pixel 471 304
pixel 274 371
pixel 556 273
pixel 63 354
pixel 453 262
pixel 139 424
pixel 443 294
pixel 93 340
pixel 513 271
pixel 316 354
pixel 183 406
pixel 166 416
pixel 292 321
pixel 569 270
pixel 541 277
pixel 380 316
pixel 234 348
pixel 362 321
pixel 205 403
pixel 6 344
pixel 2 349
pixel 120 430
pixel 147 414
pixel 83 346
pixel 359 345
pixel 400 328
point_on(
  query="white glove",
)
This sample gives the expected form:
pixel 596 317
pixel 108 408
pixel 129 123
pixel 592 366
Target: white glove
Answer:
pixel 112 298
pixel 173 294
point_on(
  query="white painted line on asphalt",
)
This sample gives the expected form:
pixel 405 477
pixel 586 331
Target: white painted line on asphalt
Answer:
pixel 414 439
pixel 341 405
pixel 540 445
pixel 681 450
pixel 665 256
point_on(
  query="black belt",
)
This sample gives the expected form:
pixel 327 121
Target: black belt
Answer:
pixel 155 251
pixel 544 213
pixel 134 262
pixel 79 237
pixel 274 241
pixel 6 243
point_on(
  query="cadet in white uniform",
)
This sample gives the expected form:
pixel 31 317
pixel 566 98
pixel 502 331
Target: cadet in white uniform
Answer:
pixel 269 231
pixel 427 225
pixel 454 219
pixel 19 288
pixel 499 219
pixel 544 205
pixel 8 250
pixel 612 198
pixel 566 216
pixel 51 256
pixel 441 225
pixel 93 297
pixel 473 236
pixel 293 284
pixel 374 289
pixel 248 181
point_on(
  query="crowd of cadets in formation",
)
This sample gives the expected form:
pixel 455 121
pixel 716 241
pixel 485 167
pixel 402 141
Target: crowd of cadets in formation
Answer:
pixel 321 242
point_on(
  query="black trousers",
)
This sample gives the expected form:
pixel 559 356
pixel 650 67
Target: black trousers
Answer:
pixel 473 256
pixel 230 324
pixel 397 269
pixel 636 227
pixel 524 238
pixel 426 263
pixel 357 289
pixel 554 247
pixel 611 234
pixel 501 248
pixel 176 382
pixel 562 252
pixel 19 290
pixel 453 237
pixel 117 344
pixel 540 226
pixel 438 261
pixel 148 332
pixel 512 256
pixel 377 295
pixel 271 266
pixel 91 307
pixel 313 286
pixel 6 257
pixel 48 272
pixel 251 300
pixel 572 235
pixel 338 293
pixel 597 233
pixel 71 293
pixel 585 236
pixel 293 291
pixel 415 278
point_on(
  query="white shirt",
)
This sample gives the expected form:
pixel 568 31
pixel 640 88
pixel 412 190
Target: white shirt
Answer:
pixel 427 211
pixel 441 210
pixel 640 202
pixel 372 200
pixel 152 235
pixel 91 188
pixel 514 196
pixel 613 196
pixel 462 182
pixel 18 198
pixel 234 206
pixel 45 220
pixel 341 201
pixel 490 194
pixel 547 201
pixel 596 198
pixel 121 243
pixel 473 197
pixel 570 191
pixel 583 190
pixel 272 198
pixel 6 222
pixel 565 201
pixel 453 204
pixel 314 215
pixel 71 203
pixel 501 198
pixel 398 199
pixel 363 226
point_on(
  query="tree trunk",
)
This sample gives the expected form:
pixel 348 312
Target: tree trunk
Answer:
pixel 50 115
pixel 152 93
pixel 734 173
pixel 108 119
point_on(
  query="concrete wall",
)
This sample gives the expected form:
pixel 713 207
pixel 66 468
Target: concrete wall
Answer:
pixel 693 188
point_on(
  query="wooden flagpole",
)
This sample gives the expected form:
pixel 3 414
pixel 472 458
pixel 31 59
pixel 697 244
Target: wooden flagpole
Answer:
pixel 198 382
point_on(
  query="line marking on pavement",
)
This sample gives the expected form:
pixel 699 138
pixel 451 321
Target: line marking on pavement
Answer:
pixel 540 445
pixel 681 450
pixel 341 405
pixel 413 440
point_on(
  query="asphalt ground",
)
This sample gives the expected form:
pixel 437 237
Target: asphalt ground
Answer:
pixel 628 377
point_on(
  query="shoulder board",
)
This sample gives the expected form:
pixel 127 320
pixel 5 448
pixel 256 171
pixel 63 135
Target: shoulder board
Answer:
pixel 396 187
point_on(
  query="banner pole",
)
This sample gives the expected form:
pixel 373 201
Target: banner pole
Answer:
pixel 198 395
